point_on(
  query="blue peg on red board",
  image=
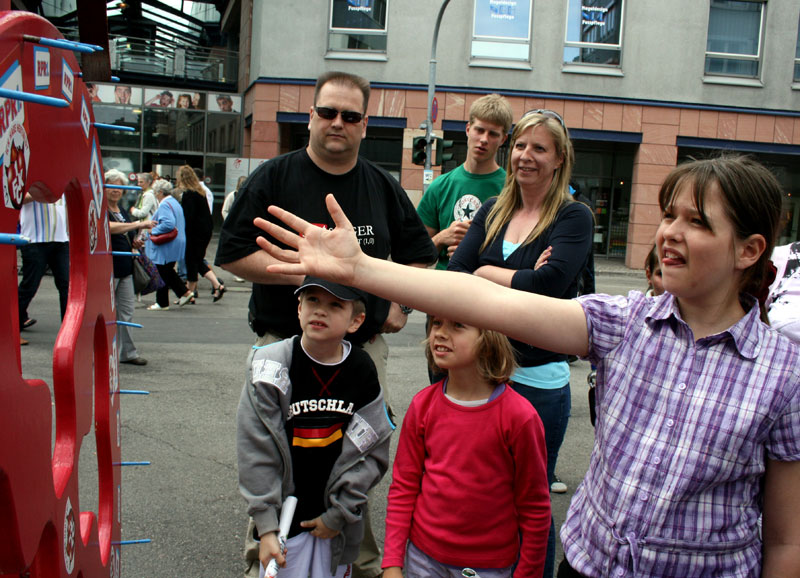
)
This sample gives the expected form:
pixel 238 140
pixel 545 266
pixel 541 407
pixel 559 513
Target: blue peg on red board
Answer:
pixel 128 542
pixel 12 239
pixel 114 127
pixel 32 97
pixel 126 187
pixel 62 43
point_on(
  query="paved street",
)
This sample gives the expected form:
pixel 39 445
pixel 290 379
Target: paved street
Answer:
pixel 187 501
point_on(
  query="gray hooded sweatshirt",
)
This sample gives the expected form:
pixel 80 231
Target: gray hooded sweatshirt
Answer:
pixel 265 466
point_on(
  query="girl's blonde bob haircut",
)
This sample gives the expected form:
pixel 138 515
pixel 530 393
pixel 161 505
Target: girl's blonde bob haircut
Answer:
pixel 494 356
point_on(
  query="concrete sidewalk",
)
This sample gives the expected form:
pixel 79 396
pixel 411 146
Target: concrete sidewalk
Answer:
pixel 614 266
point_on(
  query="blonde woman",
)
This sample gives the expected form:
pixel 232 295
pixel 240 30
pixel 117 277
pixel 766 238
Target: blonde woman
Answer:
pixel 533 215
pixel 198 230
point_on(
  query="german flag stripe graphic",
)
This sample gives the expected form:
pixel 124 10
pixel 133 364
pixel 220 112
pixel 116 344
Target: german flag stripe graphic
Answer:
pixel 317 437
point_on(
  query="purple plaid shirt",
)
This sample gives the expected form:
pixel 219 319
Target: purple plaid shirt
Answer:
pixel 684 429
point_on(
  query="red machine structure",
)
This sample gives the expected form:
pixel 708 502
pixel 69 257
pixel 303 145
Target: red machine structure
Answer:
pixel 51 150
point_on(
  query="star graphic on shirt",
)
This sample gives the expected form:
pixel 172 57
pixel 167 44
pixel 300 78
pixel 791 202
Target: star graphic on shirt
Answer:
pixel 466 207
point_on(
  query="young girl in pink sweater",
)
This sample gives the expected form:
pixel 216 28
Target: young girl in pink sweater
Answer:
pixel 469 488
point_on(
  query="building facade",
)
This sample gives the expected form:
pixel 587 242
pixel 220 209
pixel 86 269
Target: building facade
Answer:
pixel 175 98
pixel 641 86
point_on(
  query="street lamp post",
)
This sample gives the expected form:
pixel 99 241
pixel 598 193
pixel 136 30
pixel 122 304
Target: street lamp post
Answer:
pixel 431 91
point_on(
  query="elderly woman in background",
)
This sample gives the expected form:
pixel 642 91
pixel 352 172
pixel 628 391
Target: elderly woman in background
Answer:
pixel 123 238
pixel 534 237
pixel 146 205
pixel 199 227
pixel 169 216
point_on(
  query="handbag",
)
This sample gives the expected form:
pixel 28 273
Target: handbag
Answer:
pixel 145 275
pixel 164 237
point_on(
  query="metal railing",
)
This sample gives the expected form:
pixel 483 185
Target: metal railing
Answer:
pixel 161 57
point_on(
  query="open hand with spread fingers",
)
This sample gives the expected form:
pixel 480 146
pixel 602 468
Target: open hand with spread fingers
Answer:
pixel 332 254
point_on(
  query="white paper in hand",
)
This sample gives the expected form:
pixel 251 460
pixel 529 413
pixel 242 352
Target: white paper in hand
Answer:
pixel 287 513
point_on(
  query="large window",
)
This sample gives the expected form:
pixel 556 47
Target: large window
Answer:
pixel 502 30
pixel 594 32
pixel 735 29
pixel 129 116
pixel 177 130
pixel 172 127
pixel 358 25
pixel 125 161
pixel 797 57
pixel 223 133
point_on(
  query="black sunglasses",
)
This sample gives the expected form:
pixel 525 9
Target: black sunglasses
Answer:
pixel 329 113
pixel 548 114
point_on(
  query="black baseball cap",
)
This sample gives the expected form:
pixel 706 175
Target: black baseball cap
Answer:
pixel 343 292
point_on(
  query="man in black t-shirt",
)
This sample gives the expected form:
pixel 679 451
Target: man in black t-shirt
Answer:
pixel 384 219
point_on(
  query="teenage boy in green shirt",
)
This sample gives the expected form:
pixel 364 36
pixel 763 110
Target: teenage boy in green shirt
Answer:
pixel 449 204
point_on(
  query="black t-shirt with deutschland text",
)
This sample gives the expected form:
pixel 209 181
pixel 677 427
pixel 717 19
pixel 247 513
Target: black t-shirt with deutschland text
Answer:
pixel 324 399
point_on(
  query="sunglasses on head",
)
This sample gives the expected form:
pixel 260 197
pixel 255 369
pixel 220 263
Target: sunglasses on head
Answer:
pixel 329 113
pixel 548 114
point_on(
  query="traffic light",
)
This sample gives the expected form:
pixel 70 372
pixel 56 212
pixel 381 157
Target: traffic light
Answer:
pixel 419 150
pixel 441 156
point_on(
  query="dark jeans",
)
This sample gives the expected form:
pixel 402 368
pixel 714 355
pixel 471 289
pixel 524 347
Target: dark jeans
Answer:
pixel 171 281
pixel 35 259
pixel 553 407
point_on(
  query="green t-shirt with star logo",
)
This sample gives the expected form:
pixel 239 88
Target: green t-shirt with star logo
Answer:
pixel 457 196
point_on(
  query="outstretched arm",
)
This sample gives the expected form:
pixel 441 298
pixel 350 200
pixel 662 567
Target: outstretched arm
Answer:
pixel 554 324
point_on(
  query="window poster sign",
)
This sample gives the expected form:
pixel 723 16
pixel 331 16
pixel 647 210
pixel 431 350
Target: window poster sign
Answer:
pixel 160 98
pixel 238 167
pixel 114 93
pixel 174 98
pixel 225 103
pixel 594 21
pixel 359 14
pixel 593 15
pixel 506 19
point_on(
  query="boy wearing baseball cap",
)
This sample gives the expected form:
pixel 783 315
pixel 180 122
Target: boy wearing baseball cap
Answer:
pixel 312 424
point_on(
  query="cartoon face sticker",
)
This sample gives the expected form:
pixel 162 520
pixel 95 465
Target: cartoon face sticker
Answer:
pixel 15 166
pixel 114 564
pixel 108 234
pixel 92 227
pixel 69 537
pixel 96 177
